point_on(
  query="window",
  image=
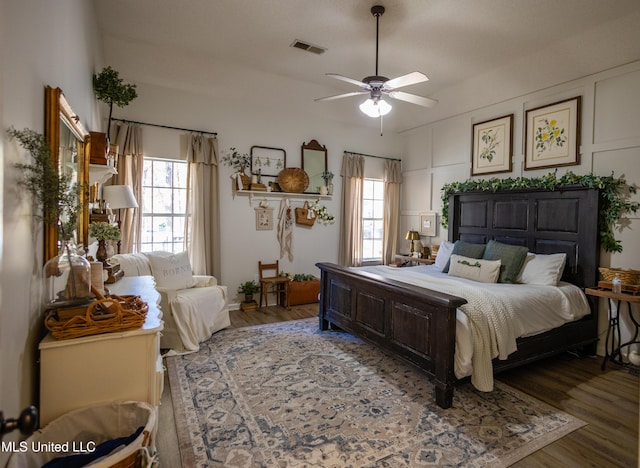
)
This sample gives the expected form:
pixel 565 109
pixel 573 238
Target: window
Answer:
pixel 164 202
pixel 372 220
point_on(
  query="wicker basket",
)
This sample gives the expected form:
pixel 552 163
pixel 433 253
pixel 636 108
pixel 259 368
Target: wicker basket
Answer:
pixel 107 314
pixel 293 180
pixel 626 276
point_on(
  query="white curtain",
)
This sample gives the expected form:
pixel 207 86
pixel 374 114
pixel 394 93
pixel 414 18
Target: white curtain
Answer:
pixel 391 216
pixel 128 138
pixel 350 249
pixel 202 226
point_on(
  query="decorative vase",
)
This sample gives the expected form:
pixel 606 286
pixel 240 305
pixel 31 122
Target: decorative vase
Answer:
pixel 324 190
pixel 248 297
pixel 67 278
pixel 330 188
pixel 245 180
pixel 101 253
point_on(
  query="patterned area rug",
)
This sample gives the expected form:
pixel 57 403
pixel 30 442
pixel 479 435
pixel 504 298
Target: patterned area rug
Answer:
pixel 287 394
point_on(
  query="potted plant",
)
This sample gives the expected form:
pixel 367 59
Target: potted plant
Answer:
pixel 111 89
pixel 240 162
pixel 303 289
pixel 248 288
pixel 56 199
pixel 103 232
pixel 327 176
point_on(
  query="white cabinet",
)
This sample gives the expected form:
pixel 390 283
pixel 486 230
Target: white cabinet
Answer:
pixel 97 369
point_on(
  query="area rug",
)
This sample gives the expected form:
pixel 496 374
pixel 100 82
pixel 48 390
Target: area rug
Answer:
pixel 287 394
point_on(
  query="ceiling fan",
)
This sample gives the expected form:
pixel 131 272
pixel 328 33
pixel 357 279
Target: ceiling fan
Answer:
pixel 377 86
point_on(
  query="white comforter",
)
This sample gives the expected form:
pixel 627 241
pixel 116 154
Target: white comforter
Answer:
pixel 495 315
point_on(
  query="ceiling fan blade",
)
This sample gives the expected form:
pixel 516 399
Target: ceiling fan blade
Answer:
pixel 362 84
pixel 412 98
pixel 406 80
pixel 340 96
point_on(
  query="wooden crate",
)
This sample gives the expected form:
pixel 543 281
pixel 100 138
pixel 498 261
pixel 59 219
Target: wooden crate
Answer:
pixel 303 292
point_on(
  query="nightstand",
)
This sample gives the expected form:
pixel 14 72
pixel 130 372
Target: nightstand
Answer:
pixel 403 260
pixel 613 350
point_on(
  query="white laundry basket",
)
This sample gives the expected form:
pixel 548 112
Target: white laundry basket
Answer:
pixel 86 428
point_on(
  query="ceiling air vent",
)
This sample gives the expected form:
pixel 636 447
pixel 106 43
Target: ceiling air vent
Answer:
pixel 298 44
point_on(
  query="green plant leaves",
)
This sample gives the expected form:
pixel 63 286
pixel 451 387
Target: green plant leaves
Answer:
pixel 614 197
pixel 111 89
pixel 54 193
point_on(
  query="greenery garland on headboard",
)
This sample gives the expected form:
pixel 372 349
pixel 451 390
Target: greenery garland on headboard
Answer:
pixel 614 197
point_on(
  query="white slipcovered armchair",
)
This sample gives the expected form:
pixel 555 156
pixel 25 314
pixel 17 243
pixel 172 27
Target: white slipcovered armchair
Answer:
pixel 193 306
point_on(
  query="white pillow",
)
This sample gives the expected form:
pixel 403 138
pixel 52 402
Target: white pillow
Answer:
pixel 476 269
pixel 171 271
pixel 133 264
pixel 542 269
pixel 444 252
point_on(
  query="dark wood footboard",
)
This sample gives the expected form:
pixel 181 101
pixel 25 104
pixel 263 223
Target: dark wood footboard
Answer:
pixel 414 323
pixel 419 324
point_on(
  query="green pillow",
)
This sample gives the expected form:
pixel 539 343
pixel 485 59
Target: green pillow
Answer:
pixel 465 249
pixel 511 256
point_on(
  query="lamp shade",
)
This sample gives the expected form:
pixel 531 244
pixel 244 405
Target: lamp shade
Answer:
pixel 412 235
pixel 119 196
pixel 375 108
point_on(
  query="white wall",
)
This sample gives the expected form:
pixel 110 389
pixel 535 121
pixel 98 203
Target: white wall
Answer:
pixel 43 43
pixel 441 152
pixel 241 124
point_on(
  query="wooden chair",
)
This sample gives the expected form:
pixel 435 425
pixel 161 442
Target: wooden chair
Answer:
pixel 278 284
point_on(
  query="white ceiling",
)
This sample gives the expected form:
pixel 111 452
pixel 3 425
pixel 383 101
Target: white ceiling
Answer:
pixel 451 41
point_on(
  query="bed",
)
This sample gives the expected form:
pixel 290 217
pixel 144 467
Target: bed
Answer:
pixel 418 324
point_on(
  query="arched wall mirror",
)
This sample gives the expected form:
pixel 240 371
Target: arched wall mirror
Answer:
pixel 69 146
pixel 314 163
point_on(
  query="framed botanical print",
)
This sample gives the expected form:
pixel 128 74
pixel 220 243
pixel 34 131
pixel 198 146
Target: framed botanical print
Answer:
pixel 264 219
pixel 492 146
pixel 428 224
pixel 553 135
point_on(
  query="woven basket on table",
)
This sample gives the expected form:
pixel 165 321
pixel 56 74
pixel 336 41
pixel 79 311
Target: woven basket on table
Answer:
pixel 626 276
pixel 107 314
pixel 293 180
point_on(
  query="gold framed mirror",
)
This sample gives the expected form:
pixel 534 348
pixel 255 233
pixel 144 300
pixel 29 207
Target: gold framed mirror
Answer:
pixel 68 144
pixel 314 163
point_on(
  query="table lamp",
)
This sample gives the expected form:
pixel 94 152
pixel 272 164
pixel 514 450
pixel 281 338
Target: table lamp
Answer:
pixel 119 197
pixel 412 236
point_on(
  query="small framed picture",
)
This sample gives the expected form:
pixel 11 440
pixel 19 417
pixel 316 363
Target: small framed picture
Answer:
pixel 428 224
pixel 264 219
pixel 267 161
pixel 492 146
pixel 553 135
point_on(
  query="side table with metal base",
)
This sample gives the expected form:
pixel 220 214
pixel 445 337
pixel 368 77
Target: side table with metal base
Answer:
pixel 613 345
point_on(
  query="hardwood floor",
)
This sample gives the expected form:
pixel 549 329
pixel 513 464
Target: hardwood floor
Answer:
pixel 606 400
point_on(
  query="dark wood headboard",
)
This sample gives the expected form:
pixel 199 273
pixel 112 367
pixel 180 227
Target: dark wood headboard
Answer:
pixel 559 221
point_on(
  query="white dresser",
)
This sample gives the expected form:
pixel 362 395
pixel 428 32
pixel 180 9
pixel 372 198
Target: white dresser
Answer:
pixel 97 369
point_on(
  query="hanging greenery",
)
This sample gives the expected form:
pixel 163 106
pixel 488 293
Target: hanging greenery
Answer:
pixel 54 193
pixel 614 197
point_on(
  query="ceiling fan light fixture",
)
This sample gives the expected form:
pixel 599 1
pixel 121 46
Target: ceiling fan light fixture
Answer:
pixel 376 108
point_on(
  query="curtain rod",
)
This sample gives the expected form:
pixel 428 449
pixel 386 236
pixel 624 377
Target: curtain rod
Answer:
pixel 165 126
pixel 372 156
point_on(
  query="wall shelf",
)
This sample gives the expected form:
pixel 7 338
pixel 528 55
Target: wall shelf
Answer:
pixel 100 173
pixel 253 194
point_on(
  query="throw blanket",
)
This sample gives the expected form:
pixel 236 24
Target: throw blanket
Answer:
pixel 285 229
pixel 493 322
